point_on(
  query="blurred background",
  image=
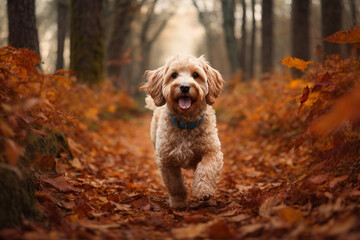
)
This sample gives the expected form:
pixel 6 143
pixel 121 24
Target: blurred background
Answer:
pixel 120 39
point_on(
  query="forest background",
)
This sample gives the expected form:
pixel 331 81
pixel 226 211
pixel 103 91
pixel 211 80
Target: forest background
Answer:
pixel 76 159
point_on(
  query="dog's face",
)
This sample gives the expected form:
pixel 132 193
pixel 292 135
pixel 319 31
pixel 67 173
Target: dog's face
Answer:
pixel 183 82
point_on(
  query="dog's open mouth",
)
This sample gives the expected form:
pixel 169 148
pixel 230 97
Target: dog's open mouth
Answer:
pixel 185 103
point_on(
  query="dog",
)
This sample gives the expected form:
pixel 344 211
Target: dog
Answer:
pixel 183 127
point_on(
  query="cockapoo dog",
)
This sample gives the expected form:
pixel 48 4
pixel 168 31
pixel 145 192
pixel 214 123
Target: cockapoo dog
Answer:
pixel 183 127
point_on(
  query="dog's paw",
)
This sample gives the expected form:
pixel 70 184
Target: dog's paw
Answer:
pixel 203 191
pixel 205 198
pixel 177 204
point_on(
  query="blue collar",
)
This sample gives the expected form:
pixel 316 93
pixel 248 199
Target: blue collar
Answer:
pixel 190 125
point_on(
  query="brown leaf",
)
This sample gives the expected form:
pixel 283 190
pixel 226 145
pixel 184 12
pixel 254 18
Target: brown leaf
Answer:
pixel 121 207
pixel 46 163
pixel 319 179
pixel 251 228
pixel 60 184
pixel 13 151
pixel 305 96
pixel 6 130
pixel 76 163
pixel 191 231
pixel 219 230
pixel 337 180
pixel 194 218
pixel 238 218
pixel 266 209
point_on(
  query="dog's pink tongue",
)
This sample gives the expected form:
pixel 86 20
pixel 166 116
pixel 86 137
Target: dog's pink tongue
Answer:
pixel 184 102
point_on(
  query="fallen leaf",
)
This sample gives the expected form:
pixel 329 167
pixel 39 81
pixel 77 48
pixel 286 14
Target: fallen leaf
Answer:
pixel 238 218
pixel 266 209
pixel 219 230
pixel 335 181
pixel 319 179
pixel 76 163
pixel 13 151
pixel 191 231
pixel 60 184
pixel 305 96
pixel 289 214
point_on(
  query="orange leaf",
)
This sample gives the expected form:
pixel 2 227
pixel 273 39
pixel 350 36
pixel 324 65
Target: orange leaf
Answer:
pixel 351 36
pixel 290 215
pixel 295 63
pixel 345 109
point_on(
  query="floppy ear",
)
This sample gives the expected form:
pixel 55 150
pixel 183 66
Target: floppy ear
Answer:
pixel 154 85
pixel 215 82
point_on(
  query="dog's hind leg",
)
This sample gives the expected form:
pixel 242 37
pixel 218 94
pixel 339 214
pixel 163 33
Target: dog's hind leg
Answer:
pixel 174 182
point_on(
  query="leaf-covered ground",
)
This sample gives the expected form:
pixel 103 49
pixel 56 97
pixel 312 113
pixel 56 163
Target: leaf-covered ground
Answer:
pixel 283 177
pixel 113 190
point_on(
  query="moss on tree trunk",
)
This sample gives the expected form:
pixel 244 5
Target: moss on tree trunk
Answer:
pixel 17 199
pixel 18 184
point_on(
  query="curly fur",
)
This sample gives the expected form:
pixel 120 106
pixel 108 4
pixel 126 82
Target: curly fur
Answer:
pixel 175 148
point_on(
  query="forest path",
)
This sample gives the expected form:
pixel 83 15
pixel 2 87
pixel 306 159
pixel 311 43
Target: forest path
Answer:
pixel 113 190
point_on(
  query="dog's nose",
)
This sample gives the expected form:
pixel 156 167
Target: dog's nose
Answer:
pixel 184 87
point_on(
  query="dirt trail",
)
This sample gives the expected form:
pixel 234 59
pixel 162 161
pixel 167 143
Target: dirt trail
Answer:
pixel 113 190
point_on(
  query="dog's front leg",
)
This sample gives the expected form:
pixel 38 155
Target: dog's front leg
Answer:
pixel 207 175
pixel 175 185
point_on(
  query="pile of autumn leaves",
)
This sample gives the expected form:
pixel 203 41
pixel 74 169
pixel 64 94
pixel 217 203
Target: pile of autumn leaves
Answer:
pixel 321 108
pixel 32 102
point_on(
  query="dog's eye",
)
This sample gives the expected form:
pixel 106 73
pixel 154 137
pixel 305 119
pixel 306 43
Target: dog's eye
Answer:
pixel 195 75
pixel 174 75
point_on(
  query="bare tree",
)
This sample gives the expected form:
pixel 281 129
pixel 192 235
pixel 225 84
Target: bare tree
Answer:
pixel 331 17
pixel 242 53
pixel 123 14
pixel 228 9
pixel 153 25
pixel 152 19
pixel 87 53
pixel 300 30
pixel 267 36
pixel 206 17
pixel 63 25
pixel 253 41
pixel 22 25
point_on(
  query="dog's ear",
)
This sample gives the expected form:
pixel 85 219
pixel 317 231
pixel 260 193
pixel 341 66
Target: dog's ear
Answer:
pixel 153 86
pixel 215 82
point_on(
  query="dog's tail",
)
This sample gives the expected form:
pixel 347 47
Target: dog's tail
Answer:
pixel 150 103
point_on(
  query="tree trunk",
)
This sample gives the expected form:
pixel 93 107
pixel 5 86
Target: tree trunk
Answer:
pixel 353 12
pixel 331 18
pixel 122 18
pixel 300 31
pixel 63 24
pixel 242 56
pixel 253 40
pixel 87 40
pixel 228 8
pixel 267 36
pixel 203 16
pixel 22 25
